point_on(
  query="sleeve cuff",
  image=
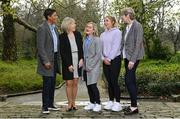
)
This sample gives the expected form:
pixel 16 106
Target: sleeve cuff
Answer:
pixel 108 59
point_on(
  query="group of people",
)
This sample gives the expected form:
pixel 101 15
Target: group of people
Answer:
pixel 81 57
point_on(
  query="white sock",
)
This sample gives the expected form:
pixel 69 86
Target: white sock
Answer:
pixel 133 108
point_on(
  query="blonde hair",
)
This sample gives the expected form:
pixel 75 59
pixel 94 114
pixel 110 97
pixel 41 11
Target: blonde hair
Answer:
pixel 66 22
pixel 130 11
pixel 95 28
pixel 113 20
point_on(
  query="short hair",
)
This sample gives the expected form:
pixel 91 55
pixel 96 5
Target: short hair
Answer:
pixel 113 20
pixel 49 12
pixel 129 11
pixel 66 22
pixel 95 28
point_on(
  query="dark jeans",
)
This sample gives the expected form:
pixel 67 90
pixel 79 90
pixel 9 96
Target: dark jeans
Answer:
pixel 93 91
pixel 49 84
pixel 130 81
pixel 111 73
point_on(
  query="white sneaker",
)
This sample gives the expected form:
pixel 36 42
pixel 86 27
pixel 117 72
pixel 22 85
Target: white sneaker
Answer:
pixel 97 108
pixel 109 105
pixel 53 109
pixel 89 107
pixel 45 111
pixel 116 107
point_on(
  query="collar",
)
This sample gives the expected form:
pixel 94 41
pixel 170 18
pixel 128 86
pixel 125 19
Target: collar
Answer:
pixel 111 29
pixel 129 25
pixel 52 26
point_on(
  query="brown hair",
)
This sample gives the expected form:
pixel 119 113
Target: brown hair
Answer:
pixel 113 20
pixel 129 11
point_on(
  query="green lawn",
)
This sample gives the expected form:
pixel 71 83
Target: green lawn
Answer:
pixel 20 76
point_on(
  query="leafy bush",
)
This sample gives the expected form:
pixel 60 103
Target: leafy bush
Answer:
pixel 156 78
pixel 159 51
pixel 165 88
pixel 175 59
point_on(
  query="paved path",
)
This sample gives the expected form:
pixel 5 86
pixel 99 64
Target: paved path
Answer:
pixel 30 107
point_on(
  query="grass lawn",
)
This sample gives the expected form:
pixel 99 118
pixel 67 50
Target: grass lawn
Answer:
pixel 20 76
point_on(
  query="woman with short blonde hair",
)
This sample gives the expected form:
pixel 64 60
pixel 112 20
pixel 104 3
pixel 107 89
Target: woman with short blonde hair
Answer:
pixel 92 61
pixel 72 59
pixel 66 23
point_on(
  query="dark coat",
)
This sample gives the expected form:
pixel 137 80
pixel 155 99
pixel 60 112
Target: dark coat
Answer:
pixel 66 54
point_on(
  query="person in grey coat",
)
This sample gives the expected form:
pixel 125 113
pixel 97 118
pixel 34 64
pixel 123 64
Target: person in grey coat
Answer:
pixel 91 69
pixel 133 51
pixel 48 55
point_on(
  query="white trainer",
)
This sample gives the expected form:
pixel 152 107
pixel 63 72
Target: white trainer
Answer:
pixel 89 107
pixel 109 105
pixel 116 107
pixel 97 108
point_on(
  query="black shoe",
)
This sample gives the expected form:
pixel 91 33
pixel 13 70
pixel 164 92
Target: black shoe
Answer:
pixel 45 111
pixel 68 109
pixel 126 108
pixel 130 112
pixel 53 108
pixel 74 108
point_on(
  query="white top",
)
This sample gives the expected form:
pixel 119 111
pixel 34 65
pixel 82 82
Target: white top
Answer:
pixel 128 27
pixel 73 44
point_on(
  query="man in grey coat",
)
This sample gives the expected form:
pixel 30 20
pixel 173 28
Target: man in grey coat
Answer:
pixel 133 52
pixel 48 58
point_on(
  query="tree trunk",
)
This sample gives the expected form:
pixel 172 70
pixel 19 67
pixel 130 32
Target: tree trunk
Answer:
pixel 177 41
pixel 9 42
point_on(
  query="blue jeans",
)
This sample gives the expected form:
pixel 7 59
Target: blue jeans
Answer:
pixel 49 84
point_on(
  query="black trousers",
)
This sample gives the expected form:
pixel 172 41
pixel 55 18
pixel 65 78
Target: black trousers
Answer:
pixel 130 81
pixel 49 84
pixel 93 91
pixel 111 73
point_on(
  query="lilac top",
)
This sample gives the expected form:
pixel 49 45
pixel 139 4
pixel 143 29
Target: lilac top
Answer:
pixel 111 41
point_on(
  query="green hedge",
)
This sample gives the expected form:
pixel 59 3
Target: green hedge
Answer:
pixel 20 76
pixel 158 78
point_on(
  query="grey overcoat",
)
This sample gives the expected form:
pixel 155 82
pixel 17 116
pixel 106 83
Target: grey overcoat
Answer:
pixel 92 61
pixel 45 50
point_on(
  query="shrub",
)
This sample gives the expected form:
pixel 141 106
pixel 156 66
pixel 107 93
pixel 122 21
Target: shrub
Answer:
pixel 175 58
pixel 164 88
pixel 156 78
pixel 159 51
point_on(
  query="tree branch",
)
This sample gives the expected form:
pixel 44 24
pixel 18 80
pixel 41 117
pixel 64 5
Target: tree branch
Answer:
pixel 25 24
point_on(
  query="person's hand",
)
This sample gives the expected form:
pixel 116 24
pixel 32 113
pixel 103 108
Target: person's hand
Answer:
pixel 48 66
pixel 88 70
pixel 81 63
pixel 130 65
pixel 107 62
pixel 71 68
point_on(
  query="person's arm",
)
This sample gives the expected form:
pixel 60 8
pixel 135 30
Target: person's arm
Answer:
pixel 138 42
pixel 115 46
pixel 101 40
pixel 41 37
